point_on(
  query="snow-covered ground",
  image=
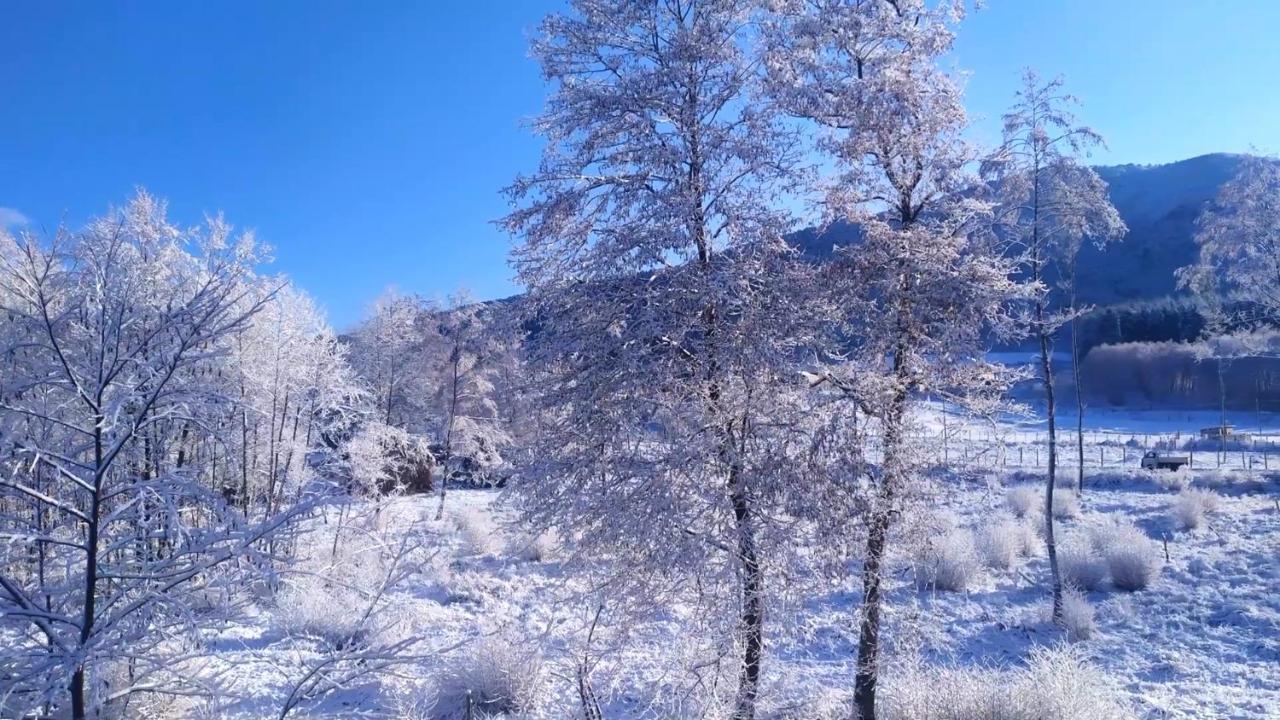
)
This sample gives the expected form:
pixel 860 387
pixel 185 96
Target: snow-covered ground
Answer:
pixel 488 609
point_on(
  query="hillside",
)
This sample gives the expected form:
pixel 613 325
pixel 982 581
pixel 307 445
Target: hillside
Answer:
pixel 1159 203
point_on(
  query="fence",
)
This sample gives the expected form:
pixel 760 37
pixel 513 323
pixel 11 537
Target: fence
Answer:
pixel 980 447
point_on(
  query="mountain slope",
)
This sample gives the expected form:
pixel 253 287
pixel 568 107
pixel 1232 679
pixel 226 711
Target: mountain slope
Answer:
pixel 1159 203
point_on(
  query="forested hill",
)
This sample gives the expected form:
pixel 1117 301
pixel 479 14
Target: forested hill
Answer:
pixel 1159 203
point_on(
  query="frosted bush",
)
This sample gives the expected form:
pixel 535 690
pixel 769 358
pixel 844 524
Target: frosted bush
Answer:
pixel 1061 684
pixel 308 606
pixel 1057 684
pixel 949 562
pixel 535 548
pixel 1065 504
pixel 1219 478
pixel 1173 480
pixel 500 676
pixel 1191 507
pixel 1132 558
pixel 1023 500
pixel 1134 567
pixel 1080 565
pixel 1003 543
pixel 1027 501
pixel 1077 615
pixel 477 531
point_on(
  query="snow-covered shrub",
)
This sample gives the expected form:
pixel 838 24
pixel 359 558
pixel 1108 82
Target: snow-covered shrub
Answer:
pixel 1004 542
pixel 1065 504
pixel 1134 566
pixel 1132 558
pixel 462 587
pixel 1060 683
pixel 478 532
pixel 1191 506
pixel 500 676
pixel 535 548
pixel 1023 500
pixel 308 606
pixel 1077 615
pixel 1027 501
pixel 1220 479
pixel 949 562
pixel 412 700
pixel 1057 684
pixel 1081 566
pixel 1172 480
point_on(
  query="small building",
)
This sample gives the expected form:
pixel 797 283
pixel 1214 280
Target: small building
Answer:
pixel 1222 432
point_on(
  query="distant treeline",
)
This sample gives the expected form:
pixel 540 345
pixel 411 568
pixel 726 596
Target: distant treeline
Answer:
pixel 1178 373
pixel 1170 319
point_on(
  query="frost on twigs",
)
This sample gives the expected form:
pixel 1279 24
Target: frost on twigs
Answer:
pixel 495 675
pixel 1056 684
pixel 948 562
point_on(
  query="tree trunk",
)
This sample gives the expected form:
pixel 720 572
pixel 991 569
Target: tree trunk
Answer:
pixel 1046 366
pixel 752 618
pixel 76 687
pixel 455 360
pixel 868 672
pixel 864 686
pixel 1077 378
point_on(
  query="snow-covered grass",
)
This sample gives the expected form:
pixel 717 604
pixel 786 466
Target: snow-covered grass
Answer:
pixel 1005 542
pixel 1028 501
pixel 1066 504
pixel 1024 500
pixel 1198 642
pixel 496 676
pixel 537 547
pixel 311 607
pixel 1132 559
pixel 1192 505
pixel 1077 615
pixel 948 562
pixel 478 531
pixel 1056 684
pixel 1081 565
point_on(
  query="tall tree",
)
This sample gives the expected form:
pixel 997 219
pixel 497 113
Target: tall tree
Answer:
pixel 1050 203
pixel 654 255
pixel 1235 278
pixel 388 352
pixel 111 397
pixel 1238 270
pixel 925 281
pixel 466 358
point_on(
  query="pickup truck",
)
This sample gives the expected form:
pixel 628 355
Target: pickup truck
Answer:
pixel 1160 460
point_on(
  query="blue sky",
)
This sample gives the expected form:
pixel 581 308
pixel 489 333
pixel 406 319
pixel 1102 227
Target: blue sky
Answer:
pixel 367 141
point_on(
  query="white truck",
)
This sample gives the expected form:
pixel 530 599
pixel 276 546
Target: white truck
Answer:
pixel 1164 460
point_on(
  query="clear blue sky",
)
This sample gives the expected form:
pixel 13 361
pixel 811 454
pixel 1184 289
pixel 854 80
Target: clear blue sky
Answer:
pixel 367 141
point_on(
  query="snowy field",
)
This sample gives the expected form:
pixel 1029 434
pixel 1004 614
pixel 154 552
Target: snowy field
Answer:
pixel 468 603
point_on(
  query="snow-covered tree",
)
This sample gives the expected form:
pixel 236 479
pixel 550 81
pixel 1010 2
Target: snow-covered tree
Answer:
pixel 466 359
pixel 925 286
pixel 111 342
pixel 162 412
pixel 653 251
pixel 1238 270
pixel 1049 205
pixel 388 352
pixel 1235 279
